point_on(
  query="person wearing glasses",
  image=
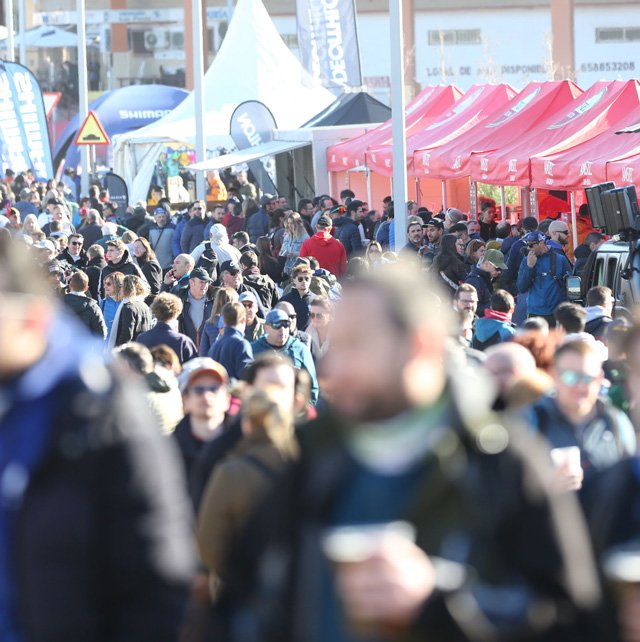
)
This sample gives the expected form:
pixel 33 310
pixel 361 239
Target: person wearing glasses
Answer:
pixel 558 236
pixel 575 414
pixel 74 254
pixel 193 232
pixel 541 275
pixel 300 295
pixel 277 338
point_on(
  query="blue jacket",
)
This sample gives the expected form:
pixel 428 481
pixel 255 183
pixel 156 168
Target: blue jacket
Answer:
pixel 348 234
pixel 233 351
pixel 488 332
pixel 546 290
pixel 163 334
pixel 481 281
pixel 257 225
pixel 177 233
pixel 605 440
pixel 382 235
pixel 208 337
pixel 299 354
pixel 513 260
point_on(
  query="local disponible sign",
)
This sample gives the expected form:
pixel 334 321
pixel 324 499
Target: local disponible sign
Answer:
pixel 328 41
pixel 24 137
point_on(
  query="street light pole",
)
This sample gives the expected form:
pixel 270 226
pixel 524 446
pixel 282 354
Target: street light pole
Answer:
pixel 198 95
pixel 11 46
pixel 398 131
pixel 83 92
pixel 22 28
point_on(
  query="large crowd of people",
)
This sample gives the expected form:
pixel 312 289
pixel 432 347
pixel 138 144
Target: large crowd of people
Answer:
pixel 249 422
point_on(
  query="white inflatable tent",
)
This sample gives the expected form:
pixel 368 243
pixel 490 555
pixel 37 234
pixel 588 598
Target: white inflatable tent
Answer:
pixel 253 63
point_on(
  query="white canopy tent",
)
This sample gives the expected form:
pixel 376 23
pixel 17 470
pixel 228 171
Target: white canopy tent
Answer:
pixel 253 63
pixel 45 36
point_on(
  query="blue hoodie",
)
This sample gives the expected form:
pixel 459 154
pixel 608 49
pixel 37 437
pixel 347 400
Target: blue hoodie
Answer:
pixel 298 353
pixel 546 291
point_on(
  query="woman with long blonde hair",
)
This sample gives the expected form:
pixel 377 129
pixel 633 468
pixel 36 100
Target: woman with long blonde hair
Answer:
pixel 294 236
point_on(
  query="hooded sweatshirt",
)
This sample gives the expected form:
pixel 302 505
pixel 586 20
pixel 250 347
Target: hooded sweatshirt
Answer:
pixel 219 244
pixel 330 253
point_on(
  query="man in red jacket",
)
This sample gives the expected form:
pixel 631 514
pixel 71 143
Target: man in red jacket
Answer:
pixel 330 252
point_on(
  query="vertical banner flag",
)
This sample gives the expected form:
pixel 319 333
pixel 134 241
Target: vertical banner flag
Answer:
pixel 252 124
pixel 328 41
pixel 24 137
pixel 118 192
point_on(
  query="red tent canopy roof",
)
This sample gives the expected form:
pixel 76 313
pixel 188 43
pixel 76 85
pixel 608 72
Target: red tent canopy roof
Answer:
pixel 477 103
pixel 604 104
pixel 428 105
pixel 533 105
pixel 586 164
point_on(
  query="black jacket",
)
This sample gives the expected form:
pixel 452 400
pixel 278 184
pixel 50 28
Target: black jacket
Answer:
pixel 162 333
pixel 481 281
pixel 135 317
pixel 89 313
pixel 209 261
pixel 263 285
pixel 92 233
pixel 93 271
pixel 124 265
pixel 348 234
pixel 153 273
pixel 480 503
pixel 103 546
pixel 81 263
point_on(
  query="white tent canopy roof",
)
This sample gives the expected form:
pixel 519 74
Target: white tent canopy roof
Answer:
pixel 253 63
pixel 45 36
pixel 248 155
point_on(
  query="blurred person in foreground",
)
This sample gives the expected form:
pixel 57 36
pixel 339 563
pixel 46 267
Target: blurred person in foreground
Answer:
pixel 94 522
pixel 611 499
pixel 435 456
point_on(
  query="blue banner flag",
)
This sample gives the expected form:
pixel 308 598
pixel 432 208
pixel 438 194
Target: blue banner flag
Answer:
pixel 253 124
pixel 328 42
pixel 24 136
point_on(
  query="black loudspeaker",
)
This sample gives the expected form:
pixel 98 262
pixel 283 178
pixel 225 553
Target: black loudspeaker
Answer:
pixel 627 205
pixel 594 200
pixel 620 209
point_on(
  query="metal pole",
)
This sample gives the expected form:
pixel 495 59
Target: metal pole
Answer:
pixel 503 205
pixel 443 187
pixel 229 11
pixel 198 77
pixel 533 201
pixel 11 45
pixel 83 92
pixel 473 200
pixel 526 202
pixel 22 27
pixel 398 131
pixel 574 222
pixel 369 192
pixel 417 180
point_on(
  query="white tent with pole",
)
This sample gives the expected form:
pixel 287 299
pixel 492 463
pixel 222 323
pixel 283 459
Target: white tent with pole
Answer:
pixel 253 63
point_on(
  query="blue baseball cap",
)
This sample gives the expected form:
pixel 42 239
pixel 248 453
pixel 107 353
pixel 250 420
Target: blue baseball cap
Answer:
pixel 275 316
pixel 534 237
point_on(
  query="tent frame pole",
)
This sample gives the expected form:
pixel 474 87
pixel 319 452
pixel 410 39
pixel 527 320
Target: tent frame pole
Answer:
pixel 11 45
pixel 369 191
pixel 503 204
pixel 574 222
pixel 443 189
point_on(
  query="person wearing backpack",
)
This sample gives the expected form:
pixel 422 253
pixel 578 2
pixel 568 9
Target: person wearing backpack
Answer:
pixel 541 275
pixel 575 414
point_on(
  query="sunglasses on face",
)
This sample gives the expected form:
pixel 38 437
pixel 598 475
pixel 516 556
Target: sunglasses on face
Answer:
pixel 572 378
pixel 303 278
pixel 76 243
pixel 201 390
pixel 316 315
pixel 278 325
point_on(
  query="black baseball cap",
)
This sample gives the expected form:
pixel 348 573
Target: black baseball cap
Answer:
pixel 230 266
pixel 435 222
pixel 200 273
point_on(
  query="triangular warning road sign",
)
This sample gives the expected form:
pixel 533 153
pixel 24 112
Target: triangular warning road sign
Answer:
pixel 92 132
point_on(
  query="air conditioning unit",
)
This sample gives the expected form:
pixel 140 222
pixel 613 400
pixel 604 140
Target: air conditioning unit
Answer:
pixel 156 39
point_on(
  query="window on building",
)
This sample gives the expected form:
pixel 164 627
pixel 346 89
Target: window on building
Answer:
pixel 617 34
pixel 137 42
pixel 455 37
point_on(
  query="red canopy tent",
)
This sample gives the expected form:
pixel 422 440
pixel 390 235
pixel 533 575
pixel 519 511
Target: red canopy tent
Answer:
pixel 586 164
pixel 533 105
pixel 428 105
pixel 587 116
pixel 472 108
pixel 625 171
